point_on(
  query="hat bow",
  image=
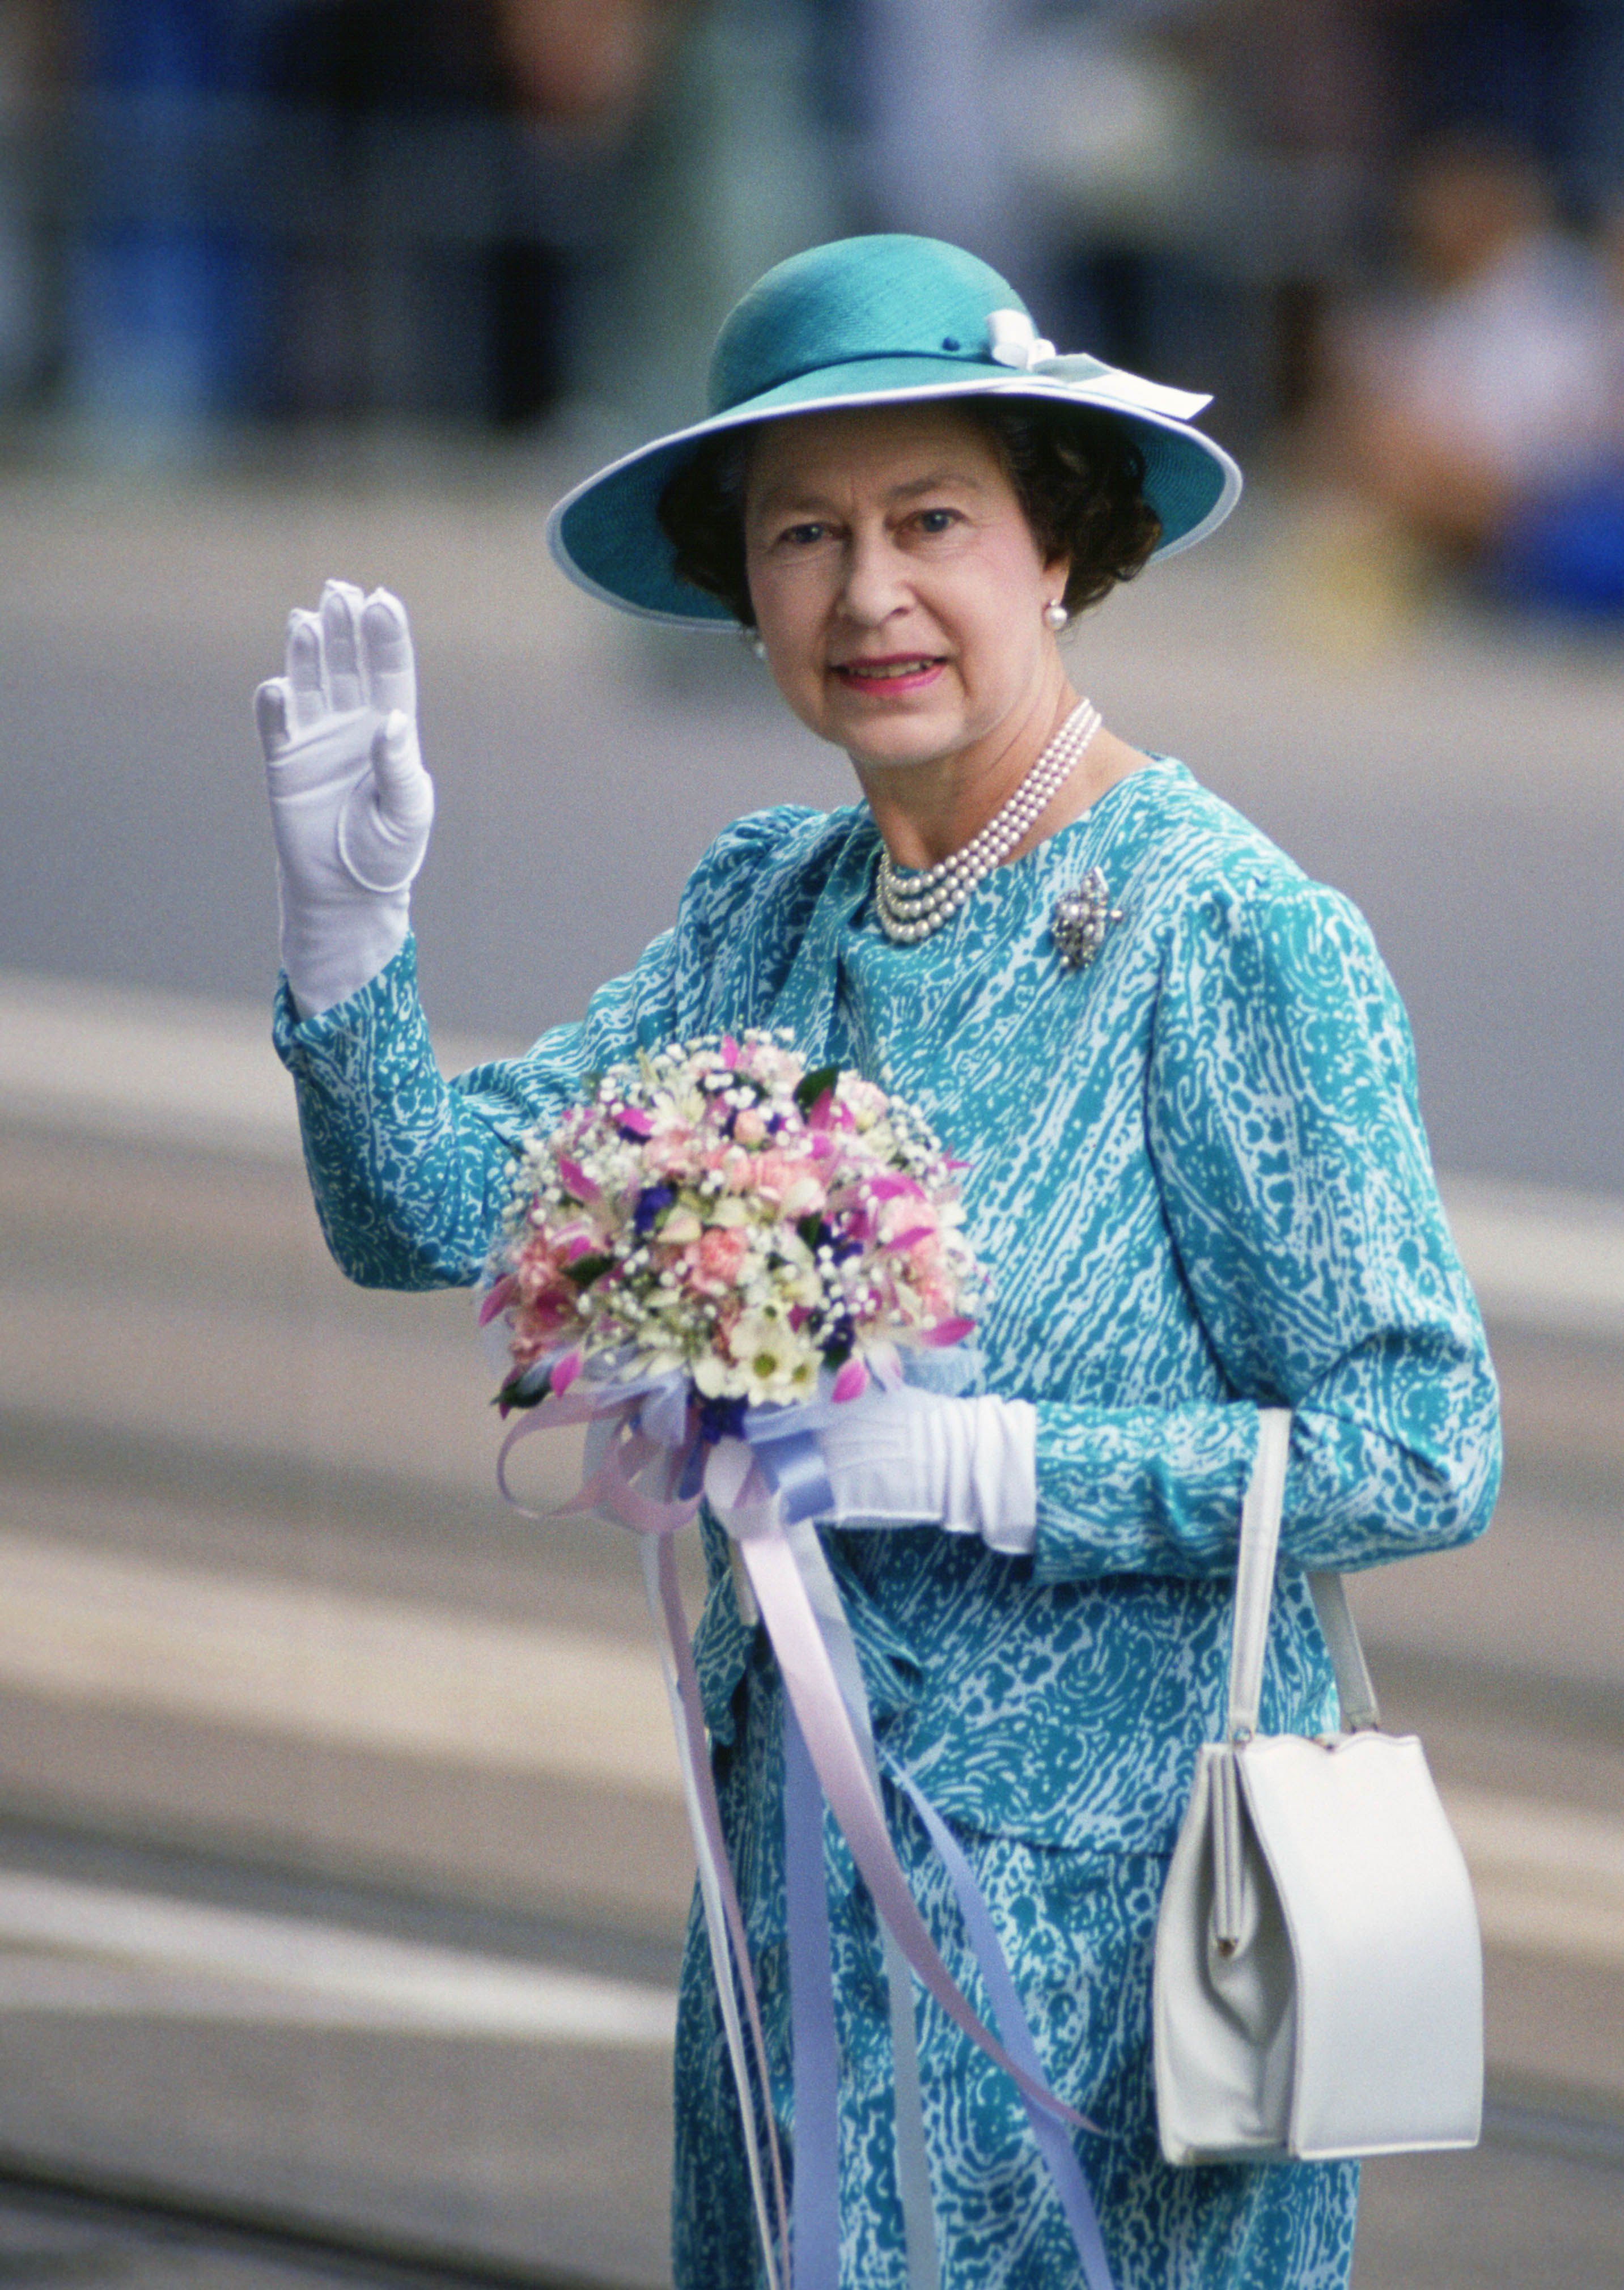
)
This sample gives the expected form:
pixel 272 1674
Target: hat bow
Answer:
pixel 1016 342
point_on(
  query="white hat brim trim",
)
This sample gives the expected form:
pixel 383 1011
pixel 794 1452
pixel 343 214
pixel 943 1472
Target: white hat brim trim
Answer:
pixel 1106 391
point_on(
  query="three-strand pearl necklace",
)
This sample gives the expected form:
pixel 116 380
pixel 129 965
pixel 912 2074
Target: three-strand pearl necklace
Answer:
pixel 914 906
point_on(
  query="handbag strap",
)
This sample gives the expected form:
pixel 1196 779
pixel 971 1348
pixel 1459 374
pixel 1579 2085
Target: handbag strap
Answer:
pixel 1361 1713
pixel 1254 1573
pixel 1254 1590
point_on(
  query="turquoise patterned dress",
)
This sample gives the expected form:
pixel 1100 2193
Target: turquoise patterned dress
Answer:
pixel 1198 1174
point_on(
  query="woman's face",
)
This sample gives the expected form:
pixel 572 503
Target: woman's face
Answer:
pixel 897 585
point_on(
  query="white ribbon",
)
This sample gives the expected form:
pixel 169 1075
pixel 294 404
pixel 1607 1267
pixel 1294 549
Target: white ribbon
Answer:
pixel 1016 344
pixel 1016 341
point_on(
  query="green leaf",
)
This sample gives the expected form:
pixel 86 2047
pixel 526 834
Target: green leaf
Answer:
pixel 586 1269
pixel 812 1230
pixel 511 1395
pixel 815 1084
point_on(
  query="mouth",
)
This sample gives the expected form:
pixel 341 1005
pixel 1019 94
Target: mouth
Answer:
pixel 893 672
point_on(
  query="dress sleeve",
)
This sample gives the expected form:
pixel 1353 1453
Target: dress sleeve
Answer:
pixel 1299 1194
pixel 409 1170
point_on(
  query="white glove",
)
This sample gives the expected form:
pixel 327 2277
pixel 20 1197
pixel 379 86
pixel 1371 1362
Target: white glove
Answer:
pixel 912 1458
pixel 351 805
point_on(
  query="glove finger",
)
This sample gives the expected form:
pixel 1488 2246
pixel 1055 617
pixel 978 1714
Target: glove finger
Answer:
pixel 404 790
pixel 270 715
pixel 388 665
pixel 341 605
pixel 306 678
pixel 377 851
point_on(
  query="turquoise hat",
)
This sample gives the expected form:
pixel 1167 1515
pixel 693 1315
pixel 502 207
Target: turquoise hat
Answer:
pixel 875 321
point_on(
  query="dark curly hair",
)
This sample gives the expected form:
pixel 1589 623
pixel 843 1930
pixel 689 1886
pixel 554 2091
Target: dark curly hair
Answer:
pixel 1078 475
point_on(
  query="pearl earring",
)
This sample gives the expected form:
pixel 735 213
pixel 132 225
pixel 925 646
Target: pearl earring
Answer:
pixel 1055 615
pixel 757 646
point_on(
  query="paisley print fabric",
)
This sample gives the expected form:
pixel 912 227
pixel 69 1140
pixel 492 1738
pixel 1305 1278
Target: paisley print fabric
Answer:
pixel 1198 1174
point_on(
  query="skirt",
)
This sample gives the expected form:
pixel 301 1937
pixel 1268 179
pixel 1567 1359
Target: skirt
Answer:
pixel 1079 1930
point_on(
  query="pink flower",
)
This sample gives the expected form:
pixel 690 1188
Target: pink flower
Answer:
pixel 576 1180
pixel 715 1258
pixel 527 1345
pixel 925 1268
pixel 853 1381
pixel 537 1273
pixel 537 1327
pixel 498 1298
pixel 904 1223
pixel 578 1239
pixel 540 1276
pixel 893 1186
pixel 673 1160
pixel 776 1172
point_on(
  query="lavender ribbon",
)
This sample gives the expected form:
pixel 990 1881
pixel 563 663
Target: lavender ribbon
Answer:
pixel 913 2162
pixel 723 1917
pixel 810 1681
pixel 815 2216
pixel 1056 2149
pixel 647 1469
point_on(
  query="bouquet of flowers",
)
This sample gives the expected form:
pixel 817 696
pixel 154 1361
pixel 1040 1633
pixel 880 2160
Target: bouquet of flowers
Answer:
pixel 716 1215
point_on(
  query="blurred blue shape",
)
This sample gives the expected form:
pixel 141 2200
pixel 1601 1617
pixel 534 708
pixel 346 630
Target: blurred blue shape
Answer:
pixel 158 295
pixel 1564 552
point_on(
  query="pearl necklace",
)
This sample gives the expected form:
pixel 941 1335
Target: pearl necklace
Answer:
pixel 912 907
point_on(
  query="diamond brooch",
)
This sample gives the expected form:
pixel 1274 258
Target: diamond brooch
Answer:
pixel 1080 919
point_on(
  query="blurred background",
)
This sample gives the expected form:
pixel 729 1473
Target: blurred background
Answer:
pixel 342 1865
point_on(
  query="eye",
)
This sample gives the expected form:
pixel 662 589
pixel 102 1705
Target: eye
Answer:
pixel 802 536
pixel 933 521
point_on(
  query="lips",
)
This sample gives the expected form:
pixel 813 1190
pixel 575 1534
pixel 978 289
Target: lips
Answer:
pixel 894 672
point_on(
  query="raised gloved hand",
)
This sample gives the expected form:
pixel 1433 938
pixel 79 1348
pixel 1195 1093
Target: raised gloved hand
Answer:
pixel 914 1459
pixel 351 805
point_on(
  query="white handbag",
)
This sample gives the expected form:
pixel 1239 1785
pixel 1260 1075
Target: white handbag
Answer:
pixel 1318 1987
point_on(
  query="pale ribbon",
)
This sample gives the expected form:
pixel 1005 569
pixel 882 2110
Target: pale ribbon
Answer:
pixel 645 1467
pixel 1016 343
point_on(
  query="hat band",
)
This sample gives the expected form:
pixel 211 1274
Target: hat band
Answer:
pixel 858 357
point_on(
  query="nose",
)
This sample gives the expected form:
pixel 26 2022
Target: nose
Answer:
pixel 874 584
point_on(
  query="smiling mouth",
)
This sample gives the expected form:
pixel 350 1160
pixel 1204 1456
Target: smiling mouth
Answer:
pixel 897 669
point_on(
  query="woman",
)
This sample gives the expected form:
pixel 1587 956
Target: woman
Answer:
pixel 1184 1086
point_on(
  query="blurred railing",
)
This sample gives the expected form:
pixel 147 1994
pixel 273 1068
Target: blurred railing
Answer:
pixel 201 256
pixel 220 254
pixel 272 170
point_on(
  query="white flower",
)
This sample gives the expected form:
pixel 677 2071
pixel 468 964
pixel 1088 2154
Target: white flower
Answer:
pixel 711 1376
pixel 775 1359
